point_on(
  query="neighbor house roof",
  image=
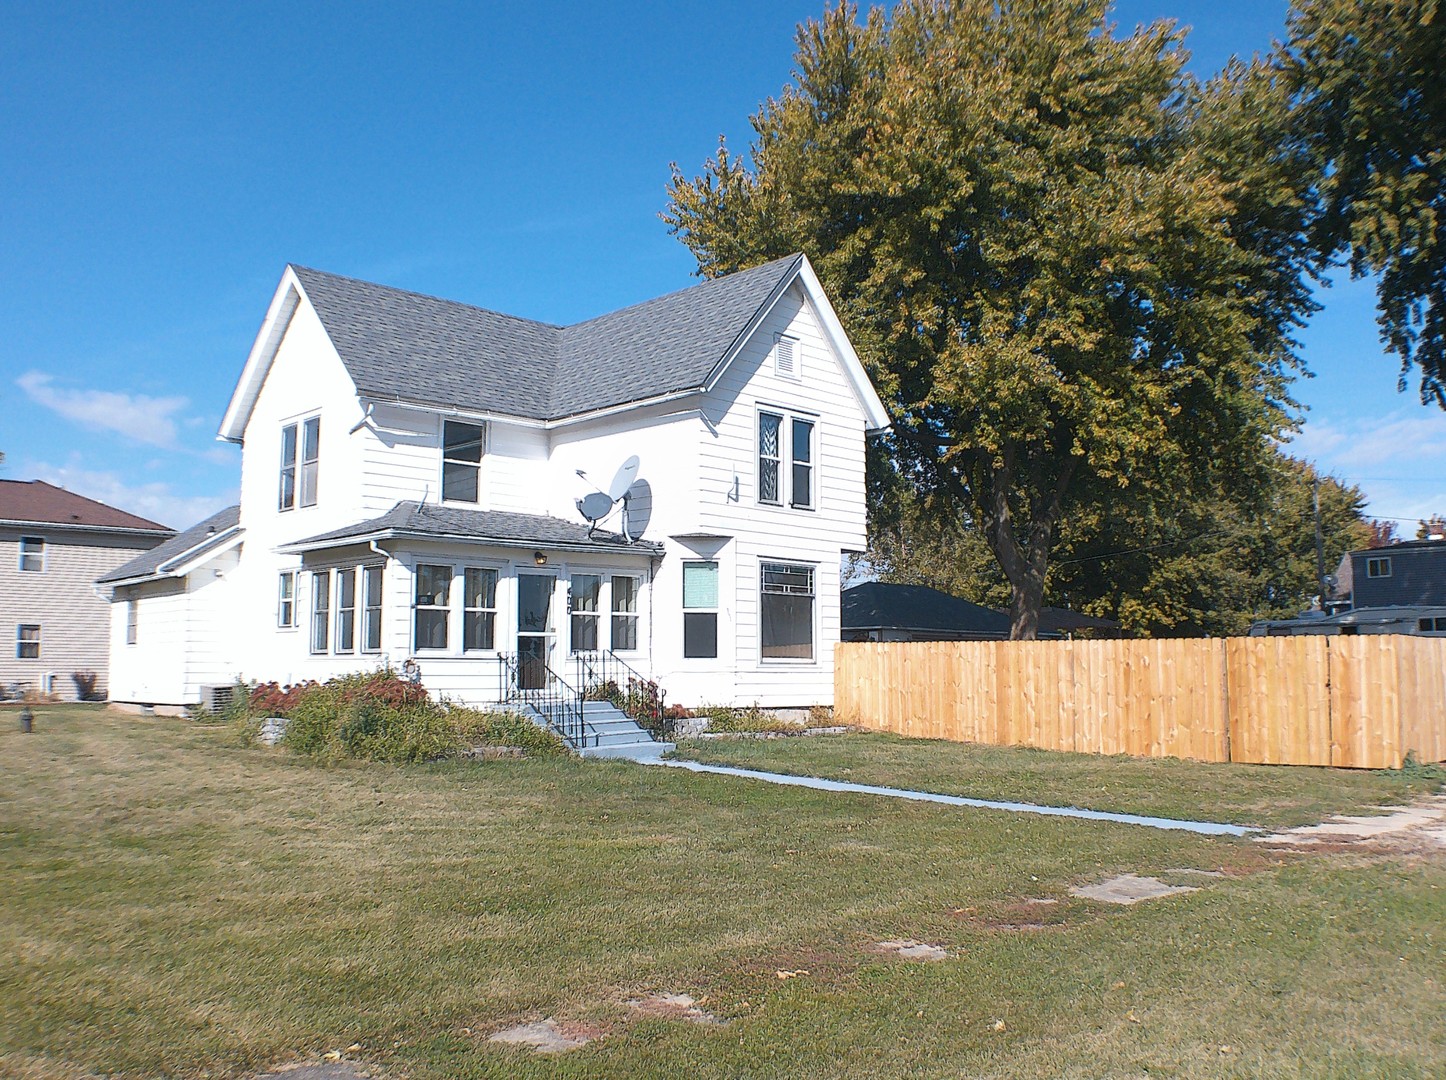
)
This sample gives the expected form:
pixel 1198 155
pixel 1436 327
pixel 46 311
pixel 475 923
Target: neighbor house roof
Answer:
pixel 413 520
pixel 217 531
pixel 420 350
pixel 34 502
pixel 878 605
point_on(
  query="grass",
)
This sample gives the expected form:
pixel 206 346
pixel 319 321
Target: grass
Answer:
pixel 178 906
pixel 1266 795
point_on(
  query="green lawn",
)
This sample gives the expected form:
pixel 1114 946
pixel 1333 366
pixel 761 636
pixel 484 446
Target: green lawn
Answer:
pixel 1266 795
pixel 175 905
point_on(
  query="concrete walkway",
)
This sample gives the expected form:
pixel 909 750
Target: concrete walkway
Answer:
pixel 1208 828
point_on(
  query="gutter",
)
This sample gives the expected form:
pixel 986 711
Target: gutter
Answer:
pixel 114 530
pixel 372 538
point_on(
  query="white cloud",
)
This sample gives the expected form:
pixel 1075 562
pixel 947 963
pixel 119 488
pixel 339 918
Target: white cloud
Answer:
pixel 150 420
pixel 157 500
pixel 1397 458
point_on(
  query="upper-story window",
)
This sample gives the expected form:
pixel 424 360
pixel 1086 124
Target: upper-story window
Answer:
pixel 32 554
pixel 779 434
pixel 1378 567
pixel 300 463
pixel 462 446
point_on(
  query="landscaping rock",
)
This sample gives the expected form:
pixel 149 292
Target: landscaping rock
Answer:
pixel 1129 889
pixel 272 729
pixel 545 1037
pixel 914 950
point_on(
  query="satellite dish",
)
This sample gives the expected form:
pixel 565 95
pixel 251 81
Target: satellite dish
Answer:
pixel 595 506
pixel 627 473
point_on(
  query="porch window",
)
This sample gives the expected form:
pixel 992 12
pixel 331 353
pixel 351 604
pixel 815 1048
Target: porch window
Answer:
pixel 786 611
pixel 625 614
pixel 320 609
pixel 434 586
pixel 286 599
pixel 345 611
pixel 371 609
pixel 27 642
pixel 461 461
pixel 479 604
pixel 583 600
pixel 32 554
pixel 700 610
pixel 132 620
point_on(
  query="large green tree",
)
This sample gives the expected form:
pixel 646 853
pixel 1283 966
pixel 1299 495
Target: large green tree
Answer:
pixel 1369 85
pixel 1071 270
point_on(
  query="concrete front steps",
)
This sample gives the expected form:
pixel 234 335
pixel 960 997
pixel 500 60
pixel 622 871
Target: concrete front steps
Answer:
pixel 610 734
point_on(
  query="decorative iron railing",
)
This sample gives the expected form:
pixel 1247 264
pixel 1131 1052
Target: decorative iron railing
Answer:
pixel 604 676
pixel 548 694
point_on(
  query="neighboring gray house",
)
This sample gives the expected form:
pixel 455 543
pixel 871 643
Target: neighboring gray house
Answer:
pixel 1409 574
pixel 54 544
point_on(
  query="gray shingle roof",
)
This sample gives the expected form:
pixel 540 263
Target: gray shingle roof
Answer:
pixel 438 352
pixel 202 537
pixel 412 519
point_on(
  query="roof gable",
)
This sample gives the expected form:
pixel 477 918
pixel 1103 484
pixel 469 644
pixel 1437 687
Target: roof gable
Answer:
pixel 404 346
pixel 183 548
pixel 39 503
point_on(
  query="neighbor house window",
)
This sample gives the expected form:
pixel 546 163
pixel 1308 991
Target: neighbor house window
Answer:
pixel 479 606
pixel 299 476
pixel 625 614
pixel 286 599
pixel 1378 567
pixel 320 609
pixel 583 600
pixel 27 642
pixel 769 428
pixel 371 609
pixel 132 619
pixel 430 606
pixel 700 610
pixel 461 460
pixel 32 554
pixel 345 611
pixel 1432 625
pixel 786 611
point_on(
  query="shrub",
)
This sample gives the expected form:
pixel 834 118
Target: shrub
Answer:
pixel 483 728
pixel 724 718
pixel 85 682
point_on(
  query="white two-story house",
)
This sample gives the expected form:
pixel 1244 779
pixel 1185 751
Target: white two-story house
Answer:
pixel 411 476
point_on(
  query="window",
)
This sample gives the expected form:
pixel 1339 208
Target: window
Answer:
pixel 1378 568
pixel 434 585
pixel 27 642
pixel 786 611
pixel 769 427
pixel 286 599
pixel 345 611
pixel 320 609
pixel 802 464
pixel 372 609
pixel 1432 626
pixel 479 607
pixel 583 599
pixel 32 554
pixel 785 357
pixel 461 461
pixel 299 477
pixel 700 610
pixel 771 476
pixel 625 614
pixel 132 620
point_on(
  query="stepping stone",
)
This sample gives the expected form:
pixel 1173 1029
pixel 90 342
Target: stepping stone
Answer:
pixel 673 1007
pixel 545 1037
pixel 915 950
pixel 1129 889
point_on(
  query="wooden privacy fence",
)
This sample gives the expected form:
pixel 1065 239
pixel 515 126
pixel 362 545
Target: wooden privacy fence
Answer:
pixel 1359 702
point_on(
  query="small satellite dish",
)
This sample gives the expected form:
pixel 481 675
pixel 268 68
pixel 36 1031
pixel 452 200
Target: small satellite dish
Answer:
pixel 595 506
pixel 627 473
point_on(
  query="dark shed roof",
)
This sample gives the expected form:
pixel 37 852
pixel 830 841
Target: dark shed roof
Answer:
pixel 877 605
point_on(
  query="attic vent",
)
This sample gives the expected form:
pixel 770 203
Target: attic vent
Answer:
pixel 785 362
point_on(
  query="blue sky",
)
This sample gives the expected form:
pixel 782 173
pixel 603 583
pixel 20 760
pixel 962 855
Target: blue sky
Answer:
pixel 161 163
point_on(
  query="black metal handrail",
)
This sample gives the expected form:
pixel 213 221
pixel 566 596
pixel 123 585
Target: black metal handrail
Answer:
pixel 605 676
pixel 556 700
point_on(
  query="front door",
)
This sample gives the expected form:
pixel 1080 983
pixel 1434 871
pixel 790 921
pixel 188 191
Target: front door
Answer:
pixel 536 631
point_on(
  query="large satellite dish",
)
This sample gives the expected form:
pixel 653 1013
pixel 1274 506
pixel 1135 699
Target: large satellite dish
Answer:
pixel 599 504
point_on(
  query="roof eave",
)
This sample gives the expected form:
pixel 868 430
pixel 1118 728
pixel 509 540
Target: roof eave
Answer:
pixel 279 314
pixel 301 547
pixel 71 526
